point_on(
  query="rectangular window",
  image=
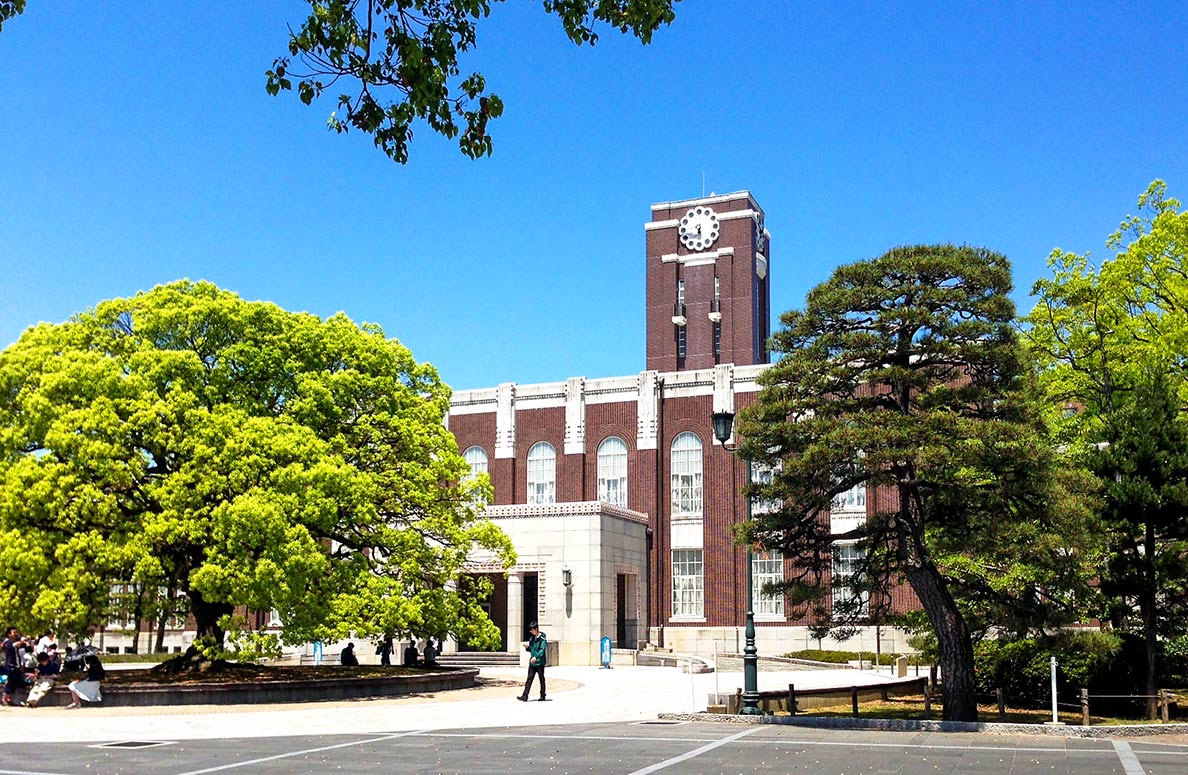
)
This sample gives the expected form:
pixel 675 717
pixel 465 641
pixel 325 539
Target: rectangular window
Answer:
pixel 688 595
pixel 681 342
pixel 680 291
pixel 853 499
pixel 767 568
pixel 848 594
pixel 762 474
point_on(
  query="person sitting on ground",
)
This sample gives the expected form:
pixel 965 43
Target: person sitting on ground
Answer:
pixel 44 678
pixel 430 653
pixel 411 654
pixel 88 689
pixel 348 656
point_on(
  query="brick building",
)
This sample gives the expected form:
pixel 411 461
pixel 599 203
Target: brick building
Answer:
pixel 616 494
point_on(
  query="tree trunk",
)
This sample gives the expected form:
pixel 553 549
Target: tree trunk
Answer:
pixel 206 618
pixel 1147 603
pixel 956 647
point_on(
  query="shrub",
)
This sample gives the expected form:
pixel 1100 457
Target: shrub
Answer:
pixel 1021 668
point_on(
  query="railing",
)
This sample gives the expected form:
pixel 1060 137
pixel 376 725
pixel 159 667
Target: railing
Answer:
pixel 793 700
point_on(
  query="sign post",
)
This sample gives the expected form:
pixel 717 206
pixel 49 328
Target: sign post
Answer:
pixel 606 653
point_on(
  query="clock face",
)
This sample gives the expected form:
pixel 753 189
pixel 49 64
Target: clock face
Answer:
pixel 699 228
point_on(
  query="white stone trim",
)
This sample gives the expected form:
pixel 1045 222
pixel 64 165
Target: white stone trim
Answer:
pixel 707 200
pixel 687 533
pixel 644 388
pixel 505 421
pixel 573 508
pixel 697 259
pixel 724 395
pixel 653 225
pixel 647 410
pixel 575 416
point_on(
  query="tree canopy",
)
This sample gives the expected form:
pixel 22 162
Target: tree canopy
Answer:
pixel 1112 342
pixel 903 375
pixel 399 62
pixel 243 455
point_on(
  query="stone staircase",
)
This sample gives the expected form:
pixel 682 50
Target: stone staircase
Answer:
pixel 479 659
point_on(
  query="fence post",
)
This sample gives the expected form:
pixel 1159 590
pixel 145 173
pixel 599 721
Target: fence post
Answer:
pixel 854 699
pixel 1163 703
pixel 791 699
pixel 927 702
pixel 932 676
pixel 1001 703
pixel 1085 707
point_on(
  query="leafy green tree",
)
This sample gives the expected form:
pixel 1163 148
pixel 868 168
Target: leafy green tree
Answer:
pixel 400 59
pixel 10 9
pixel 397 62
pixel 1143 463
pixel 1112 344
pixel 242 455
pixel 903 374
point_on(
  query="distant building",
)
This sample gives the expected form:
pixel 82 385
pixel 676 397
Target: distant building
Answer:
pixel 614 491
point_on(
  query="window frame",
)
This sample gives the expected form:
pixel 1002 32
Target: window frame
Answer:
pixel 688 588
pixel 540 475
pixel 614 470
pixel 691 492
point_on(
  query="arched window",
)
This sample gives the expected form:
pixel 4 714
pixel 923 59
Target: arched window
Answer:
pixel 612 471
pixel 476 458
pixel 686 475
pixel 542 473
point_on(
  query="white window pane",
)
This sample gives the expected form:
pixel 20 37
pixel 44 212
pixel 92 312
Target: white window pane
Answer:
pixel 847 559
pixel 612 471
pixel 767 568
pixel 542 474
pixel 688 596
pixel 686 475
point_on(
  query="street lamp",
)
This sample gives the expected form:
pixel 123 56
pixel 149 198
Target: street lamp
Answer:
pixel 723 422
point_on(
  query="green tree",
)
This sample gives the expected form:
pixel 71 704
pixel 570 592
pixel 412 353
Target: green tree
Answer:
pixel 397 62
pixel 1112 343
pixel 1142 460
pixel 400 60
pixel 10 9
pixel 240 454
pixel 903 374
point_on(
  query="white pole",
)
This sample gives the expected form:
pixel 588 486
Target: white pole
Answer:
pixel 1055 718
pixel 716 670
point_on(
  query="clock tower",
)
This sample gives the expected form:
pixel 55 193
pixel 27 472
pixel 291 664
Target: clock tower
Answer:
pixel 708 297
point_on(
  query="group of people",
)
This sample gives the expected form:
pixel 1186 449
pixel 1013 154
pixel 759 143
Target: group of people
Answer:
pixel 412 657
pixel 35 665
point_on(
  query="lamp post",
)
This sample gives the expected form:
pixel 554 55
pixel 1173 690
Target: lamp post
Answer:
pixel 723 423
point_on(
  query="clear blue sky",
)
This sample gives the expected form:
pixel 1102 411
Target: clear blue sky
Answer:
pixel 138 146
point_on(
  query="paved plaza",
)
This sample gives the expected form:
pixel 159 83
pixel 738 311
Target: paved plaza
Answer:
pixel 595 721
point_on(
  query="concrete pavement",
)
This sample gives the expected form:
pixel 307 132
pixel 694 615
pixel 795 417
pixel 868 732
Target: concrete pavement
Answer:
pixel 577 695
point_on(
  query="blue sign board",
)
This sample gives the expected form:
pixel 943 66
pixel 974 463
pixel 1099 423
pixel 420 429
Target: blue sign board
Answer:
pixel 606 653
pixel 317 652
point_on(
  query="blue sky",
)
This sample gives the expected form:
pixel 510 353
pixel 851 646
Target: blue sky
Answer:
pixel 138 146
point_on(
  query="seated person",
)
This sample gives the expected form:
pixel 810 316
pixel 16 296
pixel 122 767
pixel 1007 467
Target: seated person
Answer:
pixel 88 689
pixel 348 656
pixel 43 678
pixel 430 652
pixel 410 654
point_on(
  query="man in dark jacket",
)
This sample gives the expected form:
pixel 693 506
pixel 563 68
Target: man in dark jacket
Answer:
pixel 11 665
pixel 538 655
pixel 348 657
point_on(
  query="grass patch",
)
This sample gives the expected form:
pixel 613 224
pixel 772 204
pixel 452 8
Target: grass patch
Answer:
pixel 843 657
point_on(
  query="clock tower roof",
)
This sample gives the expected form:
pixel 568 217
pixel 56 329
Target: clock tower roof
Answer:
pixel 713 199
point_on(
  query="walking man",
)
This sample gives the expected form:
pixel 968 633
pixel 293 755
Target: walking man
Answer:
pixel 538 650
